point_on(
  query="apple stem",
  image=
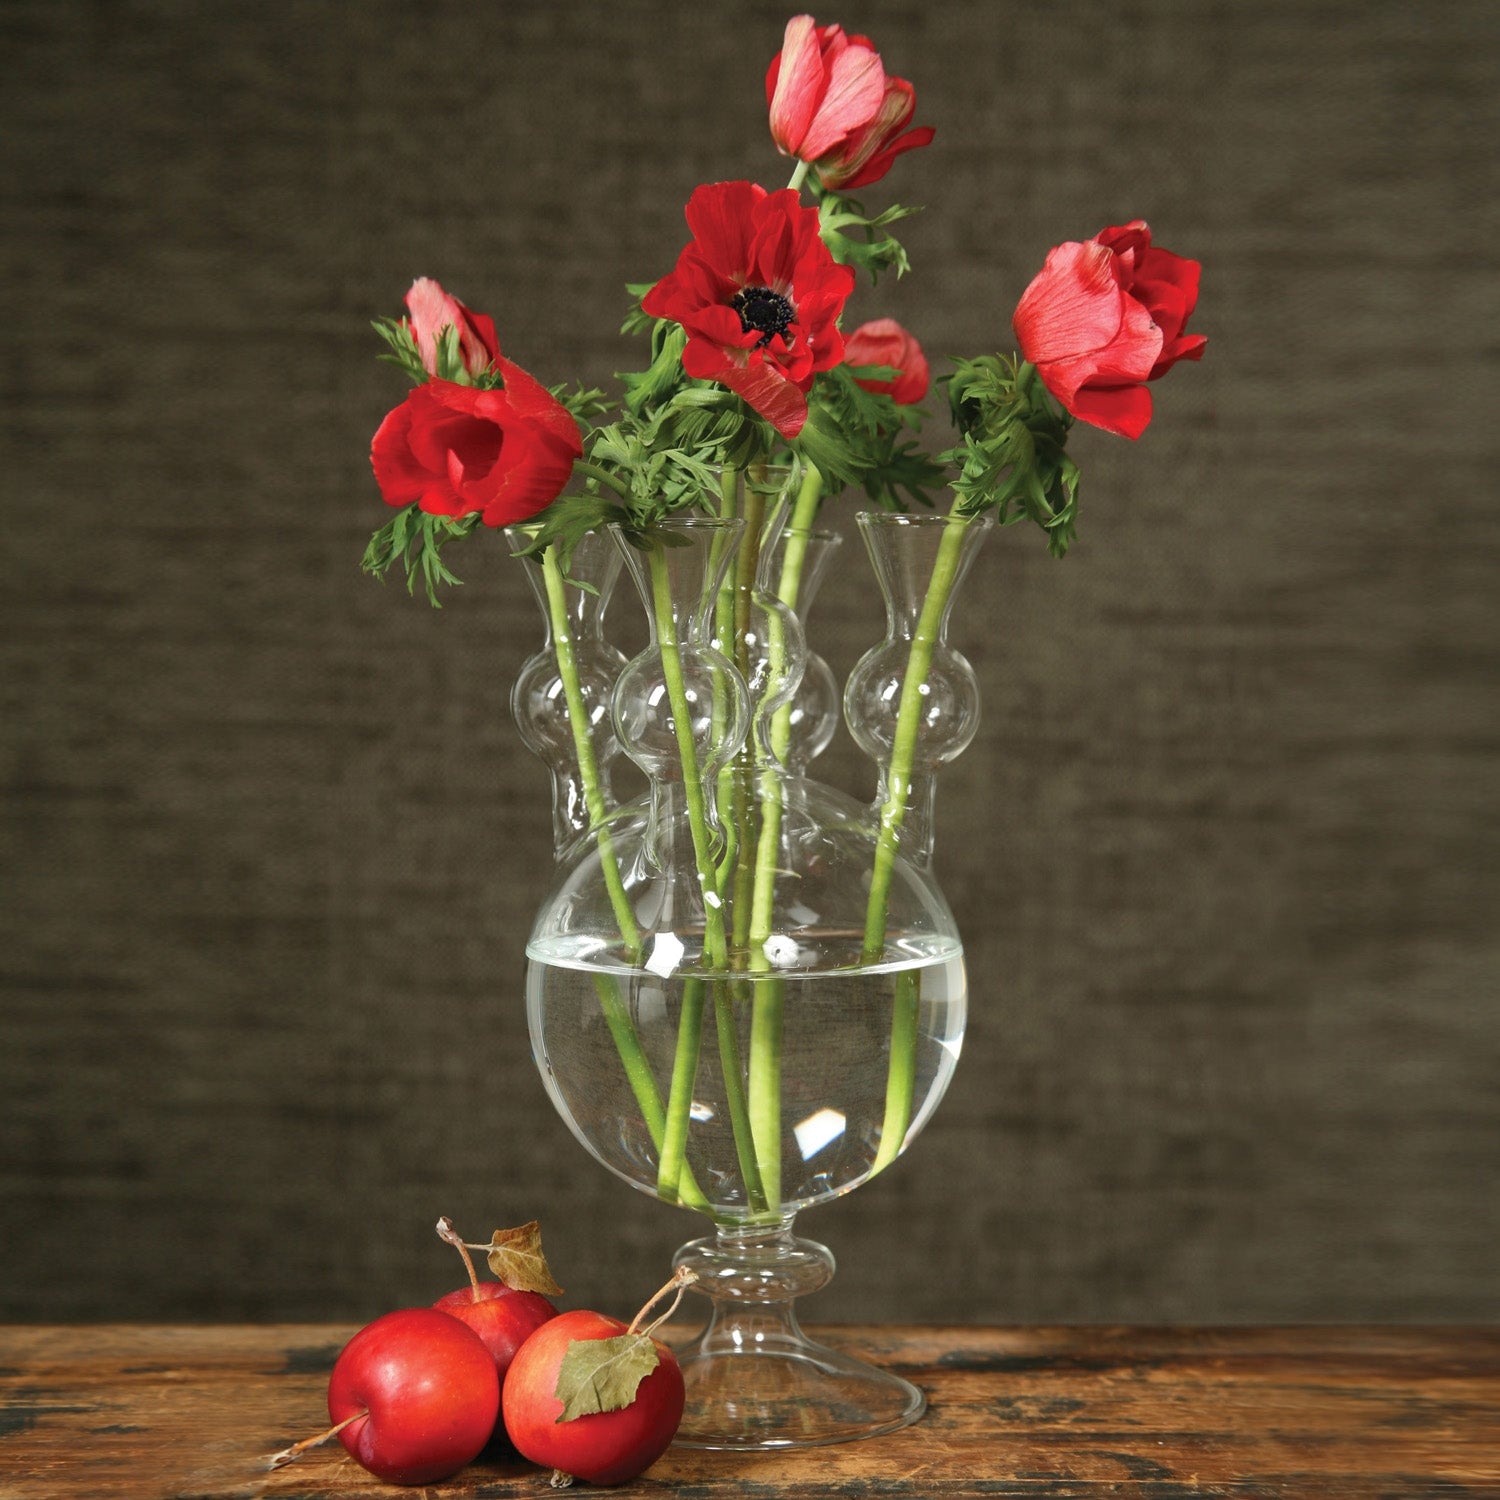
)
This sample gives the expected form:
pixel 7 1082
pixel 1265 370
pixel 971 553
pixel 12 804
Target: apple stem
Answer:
pixel 278 1460
pixel 448 1233
pixel 560 1479
pixel 682 1278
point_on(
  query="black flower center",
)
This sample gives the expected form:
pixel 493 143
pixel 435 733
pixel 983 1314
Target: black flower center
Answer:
pixel 764 312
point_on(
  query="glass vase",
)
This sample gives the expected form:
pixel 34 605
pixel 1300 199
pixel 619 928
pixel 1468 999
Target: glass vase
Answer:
pixel 912 701
pixel 561 697
pixel 712 1010
pixel 800 563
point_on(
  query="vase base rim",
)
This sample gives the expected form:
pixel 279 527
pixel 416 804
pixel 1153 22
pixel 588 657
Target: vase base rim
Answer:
pixel 808 1397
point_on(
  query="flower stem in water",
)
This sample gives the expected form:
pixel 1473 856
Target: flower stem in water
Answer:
pixel 680 1102
pixel 770 996
pixel 715 948
pixel 616 1012
pixel 902 1066
pixel 908 726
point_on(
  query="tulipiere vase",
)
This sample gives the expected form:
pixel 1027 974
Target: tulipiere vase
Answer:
pixel 745 996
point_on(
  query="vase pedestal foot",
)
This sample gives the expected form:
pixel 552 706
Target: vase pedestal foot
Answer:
pixel 753 1378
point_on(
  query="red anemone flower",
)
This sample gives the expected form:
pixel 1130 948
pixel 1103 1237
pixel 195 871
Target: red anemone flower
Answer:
pixel 433 310
pixel 1105 315
pixel 821 86
pixel 759 297
pixel 865 155
pixel 883 341
pixel 454 449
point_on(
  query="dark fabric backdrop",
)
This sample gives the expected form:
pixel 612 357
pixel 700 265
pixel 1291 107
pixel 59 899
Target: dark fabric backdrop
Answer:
pixel 1224 850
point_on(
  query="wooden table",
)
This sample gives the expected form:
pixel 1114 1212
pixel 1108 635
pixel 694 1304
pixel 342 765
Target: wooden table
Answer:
pixel 166 1413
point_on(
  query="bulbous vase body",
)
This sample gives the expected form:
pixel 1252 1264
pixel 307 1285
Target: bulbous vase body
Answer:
pixel 804 1011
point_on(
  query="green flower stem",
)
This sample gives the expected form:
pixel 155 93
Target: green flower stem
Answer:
pixel 616 1012
pixel 603 475
pixel 759 1167
pixel 643 1085
pixel 729 862
pixel 766 1019
pixel 747 563
pixel 799 175
pixel 673 1157
pixel 714 946
pixel 804 513
pixel 723 633
pixel 898 775
pixel 770 995
pixel 715 952
pixel 583 746
pixel 759 1157
pixel 901 1073
pixel 745 1145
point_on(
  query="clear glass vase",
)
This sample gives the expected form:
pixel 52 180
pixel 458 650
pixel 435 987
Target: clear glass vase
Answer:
pixel 713 1010
pixel 912 701
pixel 561 697
pixel 800 562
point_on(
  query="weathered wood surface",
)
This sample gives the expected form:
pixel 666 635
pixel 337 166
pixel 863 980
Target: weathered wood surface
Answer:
pixel 191 1413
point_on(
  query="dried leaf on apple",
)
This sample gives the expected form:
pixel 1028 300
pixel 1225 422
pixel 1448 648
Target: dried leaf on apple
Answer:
pixel 515 1256
pixel 602 1374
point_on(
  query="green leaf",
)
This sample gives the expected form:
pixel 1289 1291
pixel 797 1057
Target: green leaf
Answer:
pixel 568 520
pixel 415 539
pixel 1013 458
pixel 586 404
pixel 663 375
pixel 603 1374
pixel 638 320
pixel 857 437
pixel 450 361
pixel 874 249
pixel 404 352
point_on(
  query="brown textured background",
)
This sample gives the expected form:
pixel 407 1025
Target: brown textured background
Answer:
pixel 1224 851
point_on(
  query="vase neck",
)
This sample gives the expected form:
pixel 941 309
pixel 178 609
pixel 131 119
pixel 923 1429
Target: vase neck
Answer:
pixel 800 565
pixel 754 626
pixel 909 554
pixel 912 702
pixel 917 824
pixel 678 567
pixel 681 709
pixel 560 698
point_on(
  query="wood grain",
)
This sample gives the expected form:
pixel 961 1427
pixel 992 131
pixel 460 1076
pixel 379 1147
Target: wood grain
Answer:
pixel 192 1413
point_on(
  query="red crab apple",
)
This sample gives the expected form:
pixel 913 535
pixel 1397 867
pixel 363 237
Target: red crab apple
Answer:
pixel 593 1399
pixel 413 1396
pixel 503 1316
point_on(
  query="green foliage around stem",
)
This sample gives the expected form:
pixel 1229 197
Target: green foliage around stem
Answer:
pixel 1013 457
pixel 860 438
pixel 586 404
pixel 654 463
pixel 416 540
pixel 854 238
pixel 404 354
pixel 402 348
pixel 664 376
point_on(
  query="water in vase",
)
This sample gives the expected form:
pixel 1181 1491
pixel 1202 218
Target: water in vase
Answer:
pixel 789 1070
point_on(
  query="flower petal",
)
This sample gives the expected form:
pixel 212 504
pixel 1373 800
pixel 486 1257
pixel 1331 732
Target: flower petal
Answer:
pixel 1074 305
pixel 852 99
pixel 721 217
pixel 1121 409
pixel 529 399
pixel 798 84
